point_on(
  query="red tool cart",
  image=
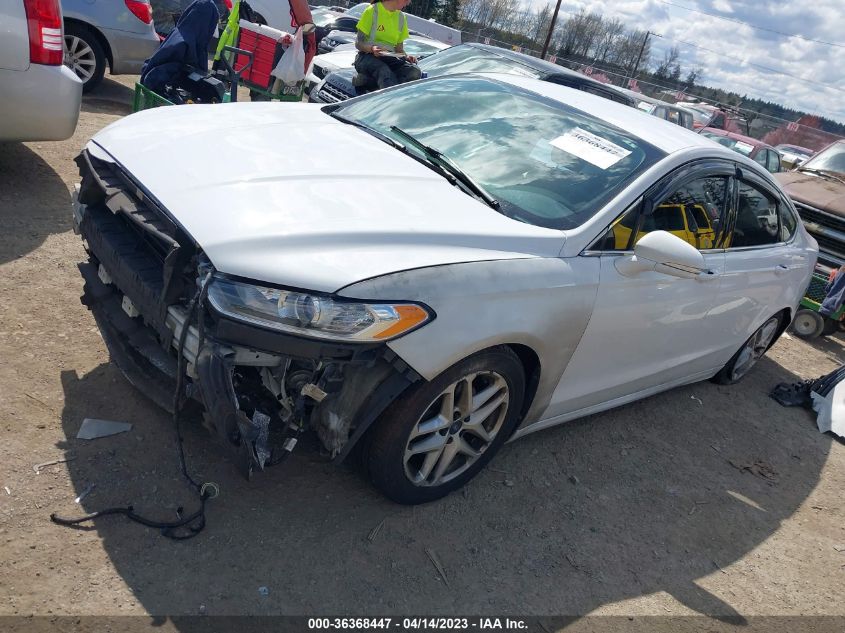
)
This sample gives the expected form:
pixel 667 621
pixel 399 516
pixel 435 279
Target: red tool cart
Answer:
pixel 264 44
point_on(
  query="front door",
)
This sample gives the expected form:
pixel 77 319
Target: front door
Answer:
pixel 648 329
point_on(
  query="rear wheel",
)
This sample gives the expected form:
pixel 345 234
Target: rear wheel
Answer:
pixel 438 436
pixel 84 55
pixel 748 355
pixel 808 324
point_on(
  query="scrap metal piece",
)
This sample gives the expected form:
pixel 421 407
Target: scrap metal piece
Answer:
pixel 88 489
pixel 314 392
pixel 37 467
pixel 92 428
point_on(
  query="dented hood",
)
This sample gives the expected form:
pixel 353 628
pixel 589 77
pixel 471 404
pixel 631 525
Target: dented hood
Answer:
pixel 816 191
pixel 285 194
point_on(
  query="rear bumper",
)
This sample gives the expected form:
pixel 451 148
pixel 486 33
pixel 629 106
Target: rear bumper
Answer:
pixel 39 104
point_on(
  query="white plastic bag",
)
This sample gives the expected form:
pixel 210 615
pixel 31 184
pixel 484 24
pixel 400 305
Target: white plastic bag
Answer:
pixel 291 67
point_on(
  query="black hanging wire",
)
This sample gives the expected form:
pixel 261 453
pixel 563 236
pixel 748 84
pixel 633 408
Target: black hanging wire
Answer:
pixel 194 523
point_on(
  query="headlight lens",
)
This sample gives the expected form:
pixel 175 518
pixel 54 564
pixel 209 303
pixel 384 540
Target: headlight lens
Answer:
pixel 314 315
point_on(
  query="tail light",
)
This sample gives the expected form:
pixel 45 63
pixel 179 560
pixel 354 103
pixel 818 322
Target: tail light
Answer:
pixel 141 9
pixel 44 22
pixel 228 4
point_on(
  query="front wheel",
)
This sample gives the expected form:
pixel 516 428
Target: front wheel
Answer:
pixel 438 436
pixel 748 355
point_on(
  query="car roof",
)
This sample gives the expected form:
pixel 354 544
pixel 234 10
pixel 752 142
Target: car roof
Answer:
pixel 737 137
pixel 547 70
pixel 663 135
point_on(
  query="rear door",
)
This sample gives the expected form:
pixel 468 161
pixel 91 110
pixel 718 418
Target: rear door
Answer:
pixel 762 264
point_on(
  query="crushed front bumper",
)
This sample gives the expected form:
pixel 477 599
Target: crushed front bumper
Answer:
pixel 258 389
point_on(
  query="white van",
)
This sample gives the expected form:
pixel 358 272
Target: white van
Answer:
pixel 429 28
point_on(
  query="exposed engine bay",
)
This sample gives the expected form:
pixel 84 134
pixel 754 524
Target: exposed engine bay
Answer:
pixel 146 282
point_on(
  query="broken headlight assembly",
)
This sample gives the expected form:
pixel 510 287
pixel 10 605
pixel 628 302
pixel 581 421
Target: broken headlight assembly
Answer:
pixel 313 315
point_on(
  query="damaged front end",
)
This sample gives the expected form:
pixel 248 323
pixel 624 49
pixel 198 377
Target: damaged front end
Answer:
pixel 167 317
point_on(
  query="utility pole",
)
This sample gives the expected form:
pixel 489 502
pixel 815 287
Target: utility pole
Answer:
pixel 639 56
pixel 551 30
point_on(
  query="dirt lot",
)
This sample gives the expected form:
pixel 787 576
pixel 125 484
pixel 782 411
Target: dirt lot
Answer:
pixel 638 511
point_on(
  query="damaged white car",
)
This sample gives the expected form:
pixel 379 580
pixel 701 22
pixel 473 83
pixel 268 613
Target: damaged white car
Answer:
pixel 428 271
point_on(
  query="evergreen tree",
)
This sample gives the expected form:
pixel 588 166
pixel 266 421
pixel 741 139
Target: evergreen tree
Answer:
pixel 422 8
pixel 449 12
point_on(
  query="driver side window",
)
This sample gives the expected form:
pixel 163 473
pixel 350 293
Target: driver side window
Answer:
pixel 693 212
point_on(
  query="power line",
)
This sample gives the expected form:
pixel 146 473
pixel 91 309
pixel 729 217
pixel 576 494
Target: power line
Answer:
pixel 753 26
pixel 766 68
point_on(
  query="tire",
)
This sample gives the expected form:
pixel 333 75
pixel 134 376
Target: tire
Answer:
pixel 84 55
pixel 830 326
pixel 808 324
pixel 497 383
pixel 751 351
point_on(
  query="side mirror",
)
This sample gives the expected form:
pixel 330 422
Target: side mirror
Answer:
pixel 662 252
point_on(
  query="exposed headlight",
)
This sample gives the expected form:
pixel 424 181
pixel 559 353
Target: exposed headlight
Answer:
pixel 317 316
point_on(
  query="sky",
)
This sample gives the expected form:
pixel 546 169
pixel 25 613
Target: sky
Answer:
pixel 798 73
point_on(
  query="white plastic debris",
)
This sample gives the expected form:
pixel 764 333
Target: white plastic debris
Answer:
pixel 830 410
pixel 92 428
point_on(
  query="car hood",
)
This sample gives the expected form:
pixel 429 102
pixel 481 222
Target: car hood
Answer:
pixel 343 58
pixel 816 191
pixel 285 194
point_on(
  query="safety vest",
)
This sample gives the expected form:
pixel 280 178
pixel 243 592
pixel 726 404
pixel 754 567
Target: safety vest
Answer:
pixel 374 24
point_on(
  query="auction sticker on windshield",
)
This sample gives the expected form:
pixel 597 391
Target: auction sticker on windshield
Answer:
pixel 591 148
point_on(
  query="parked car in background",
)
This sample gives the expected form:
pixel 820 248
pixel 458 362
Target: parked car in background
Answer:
pixel 335 30
pixel 473 290
pixel 818 189
pixel 793 155
pixel 755 149
pixel 166 13
pixel 661 109
pixel 325 20
pixel 41 97
pixel 475 58
pixel 344 56
pixel 706 115
pixel 114 33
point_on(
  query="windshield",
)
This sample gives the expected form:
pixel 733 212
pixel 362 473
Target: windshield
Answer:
pixel 546 163
pixel 418 48
pixel 322 17
pixel 830 159
pixel 701 117
pixel 468 59
pixel 741 147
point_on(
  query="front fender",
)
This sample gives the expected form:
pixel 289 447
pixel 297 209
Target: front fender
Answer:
pixel 541 303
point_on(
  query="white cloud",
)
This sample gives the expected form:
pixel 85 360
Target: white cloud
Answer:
pixel 805 75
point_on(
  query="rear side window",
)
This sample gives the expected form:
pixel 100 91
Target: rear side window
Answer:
pixel 788 222
pixel 756 218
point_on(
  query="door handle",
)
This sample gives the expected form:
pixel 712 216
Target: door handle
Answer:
pixel 780 269
pixel 707 275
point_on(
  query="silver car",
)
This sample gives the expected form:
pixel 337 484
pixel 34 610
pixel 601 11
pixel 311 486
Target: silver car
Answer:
pixel 438 268
pixel 117 33
pixel 41 97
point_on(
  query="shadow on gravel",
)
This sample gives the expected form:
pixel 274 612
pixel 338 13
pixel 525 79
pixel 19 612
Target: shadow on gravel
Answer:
pixel 651 497
pixel 110 97
pixel 34 201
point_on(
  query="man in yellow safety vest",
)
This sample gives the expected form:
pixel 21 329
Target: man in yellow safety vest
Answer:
pixel 382 29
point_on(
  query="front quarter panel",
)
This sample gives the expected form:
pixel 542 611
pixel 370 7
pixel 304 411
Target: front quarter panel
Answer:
pixel 541 303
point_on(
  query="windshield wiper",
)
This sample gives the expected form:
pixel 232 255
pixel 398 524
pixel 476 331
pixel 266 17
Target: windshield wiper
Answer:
pixel 446 164
pixel 369 130
pixel 822 172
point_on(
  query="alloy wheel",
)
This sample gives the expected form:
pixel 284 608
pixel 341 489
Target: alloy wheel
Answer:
pixel 456 429
pixel 80 57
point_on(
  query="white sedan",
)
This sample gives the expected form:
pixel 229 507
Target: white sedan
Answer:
pixel 343 56
pixel 429 270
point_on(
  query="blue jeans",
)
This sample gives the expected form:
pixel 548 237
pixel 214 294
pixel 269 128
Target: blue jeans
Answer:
pixel 386 71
